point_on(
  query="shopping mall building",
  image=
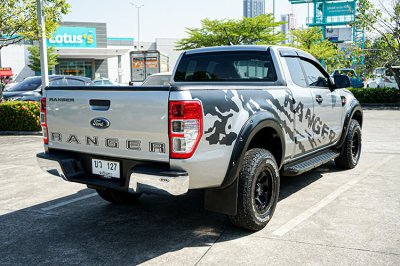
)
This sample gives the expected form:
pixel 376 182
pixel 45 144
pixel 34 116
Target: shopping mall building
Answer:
pixel 85 49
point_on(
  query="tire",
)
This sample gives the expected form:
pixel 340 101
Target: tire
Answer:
pixel 258 190
pixel 351 150
pixel 117 197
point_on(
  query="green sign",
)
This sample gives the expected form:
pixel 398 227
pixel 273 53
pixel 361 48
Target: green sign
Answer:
pixel 340 9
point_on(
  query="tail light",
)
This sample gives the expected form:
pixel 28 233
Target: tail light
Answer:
pixel 185 128
pixel 43 120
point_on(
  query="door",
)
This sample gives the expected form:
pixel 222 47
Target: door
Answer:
pixel 326 123
pixel 303 107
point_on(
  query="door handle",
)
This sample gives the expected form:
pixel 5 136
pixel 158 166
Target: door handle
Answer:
pixel 319 98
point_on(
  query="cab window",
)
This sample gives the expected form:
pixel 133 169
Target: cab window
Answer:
pixel 314 76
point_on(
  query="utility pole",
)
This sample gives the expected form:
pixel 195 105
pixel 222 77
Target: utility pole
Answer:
pixel 43 47
pixel 273 13
pixel 138 7
pixel 273 8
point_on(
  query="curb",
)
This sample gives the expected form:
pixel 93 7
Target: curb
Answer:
pixel 383 106
pixel 20 133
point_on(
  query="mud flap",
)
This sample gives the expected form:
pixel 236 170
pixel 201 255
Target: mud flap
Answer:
pixel 222 200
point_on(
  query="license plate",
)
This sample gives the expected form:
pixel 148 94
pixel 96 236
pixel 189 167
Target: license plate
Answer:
pixel 107 169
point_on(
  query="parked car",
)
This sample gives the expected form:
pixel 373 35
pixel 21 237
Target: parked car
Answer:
pixel 383 78
pixel 232 121
pixel 30 89
pixel 10 85
pixel 105 82
pixel 160 79
pixel 355 80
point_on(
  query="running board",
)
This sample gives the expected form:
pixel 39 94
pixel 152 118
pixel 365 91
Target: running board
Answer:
pixel 309 163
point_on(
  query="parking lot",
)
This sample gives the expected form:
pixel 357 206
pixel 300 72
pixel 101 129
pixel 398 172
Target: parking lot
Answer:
pixel 327 216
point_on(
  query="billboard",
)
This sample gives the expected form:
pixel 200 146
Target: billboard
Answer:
pixel 73 37
pixel 339 34
pixel 340 9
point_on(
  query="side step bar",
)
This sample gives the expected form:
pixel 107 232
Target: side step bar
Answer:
pixel 309 163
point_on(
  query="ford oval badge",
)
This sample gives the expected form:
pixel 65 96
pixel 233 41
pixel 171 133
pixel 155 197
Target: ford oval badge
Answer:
pixel 101 123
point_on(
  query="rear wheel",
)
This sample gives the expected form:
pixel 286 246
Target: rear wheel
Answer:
pixel 258 190
pixel 118 197
pixel 351 150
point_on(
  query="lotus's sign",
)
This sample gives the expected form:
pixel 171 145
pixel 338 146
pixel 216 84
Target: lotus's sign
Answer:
pixel 73 37
pixel 100 123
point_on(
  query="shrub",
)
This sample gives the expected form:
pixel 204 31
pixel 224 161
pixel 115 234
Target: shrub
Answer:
pixel 381 95
pixel 19 116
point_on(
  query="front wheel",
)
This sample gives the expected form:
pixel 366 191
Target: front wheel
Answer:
pixel 258 190
pixel 351 150
pixel 118 197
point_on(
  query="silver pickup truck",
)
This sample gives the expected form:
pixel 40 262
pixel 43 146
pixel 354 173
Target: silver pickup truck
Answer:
pixel 233 120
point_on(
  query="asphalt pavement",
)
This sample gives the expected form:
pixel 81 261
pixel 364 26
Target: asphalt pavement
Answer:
pixel 324 217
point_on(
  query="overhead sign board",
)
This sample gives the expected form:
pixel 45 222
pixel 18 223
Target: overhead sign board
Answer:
pixel 340 9
pixel 73 37
pixel 339 34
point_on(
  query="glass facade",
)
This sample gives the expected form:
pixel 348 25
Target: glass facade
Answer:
pixel 72 67
pixel 253 8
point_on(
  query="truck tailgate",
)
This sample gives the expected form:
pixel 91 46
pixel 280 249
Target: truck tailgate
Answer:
pixel 125 122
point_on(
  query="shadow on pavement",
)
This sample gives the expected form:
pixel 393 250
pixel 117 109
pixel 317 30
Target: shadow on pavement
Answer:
pixel 93 231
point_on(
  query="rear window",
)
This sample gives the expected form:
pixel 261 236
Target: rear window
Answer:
pixel 238 66
pixel 29 84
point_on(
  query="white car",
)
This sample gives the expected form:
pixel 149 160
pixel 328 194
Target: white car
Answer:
pixel 160 79
pixel 383 78
pixel 105 82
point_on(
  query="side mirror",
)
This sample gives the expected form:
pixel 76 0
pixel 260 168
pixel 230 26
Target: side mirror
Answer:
pixel 341 81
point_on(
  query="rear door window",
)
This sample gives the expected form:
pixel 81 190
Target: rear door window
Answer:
pixel 296 71
pixel 238 66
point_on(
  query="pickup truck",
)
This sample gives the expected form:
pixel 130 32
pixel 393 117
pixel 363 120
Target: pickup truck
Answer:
pixel 231 122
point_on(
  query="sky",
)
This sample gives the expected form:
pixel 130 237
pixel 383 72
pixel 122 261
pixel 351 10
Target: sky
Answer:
pixel 165 18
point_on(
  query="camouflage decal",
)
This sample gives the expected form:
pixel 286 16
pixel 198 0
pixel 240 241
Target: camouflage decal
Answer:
pixel 222 109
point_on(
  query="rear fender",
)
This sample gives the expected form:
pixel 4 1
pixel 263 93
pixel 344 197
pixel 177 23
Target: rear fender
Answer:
pixel 224 199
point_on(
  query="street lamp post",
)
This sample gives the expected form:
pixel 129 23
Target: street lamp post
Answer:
pixel 42 44
pixel 138 7
pixel 273 8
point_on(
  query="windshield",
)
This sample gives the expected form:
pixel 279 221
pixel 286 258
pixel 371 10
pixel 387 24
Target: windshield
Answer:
pixel 347 72
pixel 239 66
pixel 379 71
pixel 159 80
pixel 29 84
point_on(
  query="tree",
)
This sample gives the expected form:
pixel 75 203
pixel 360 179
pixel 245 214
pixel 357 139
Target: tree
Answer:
pixel 34 58
pixel 311 41
pixel 257 30
pixel 18 19
pixel 377 52
pixel 383 23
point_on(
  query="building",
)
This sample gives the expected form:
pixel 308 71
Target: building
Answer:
pixel 85 49
pixel 291 24
pixel 253 8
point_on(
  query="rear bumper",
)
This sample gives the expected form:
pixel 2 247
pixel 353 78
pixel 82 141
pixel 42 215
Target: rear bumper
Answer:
pixel 139 179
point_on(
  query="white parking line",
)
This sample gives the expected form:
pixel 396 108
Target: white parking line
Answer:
pixel 68 202
pixel 325 201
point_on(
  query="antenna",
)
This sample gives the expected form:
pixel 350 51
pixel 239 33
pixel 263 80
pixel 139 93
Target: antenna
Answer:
pixel 227 36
